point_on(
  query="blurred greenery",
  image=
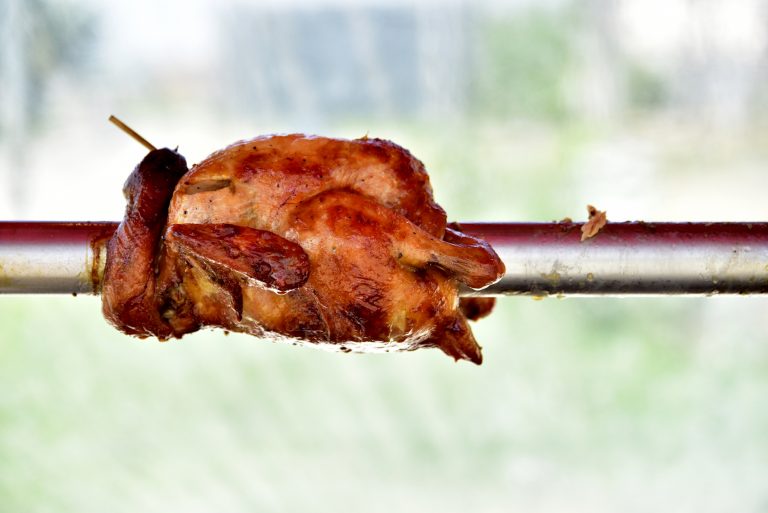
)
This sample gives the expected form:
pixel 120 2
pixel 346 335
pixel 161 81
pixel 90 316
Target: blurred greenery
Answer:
pixel 51 38
pixel 524 64
pixel 575 396
pixel 646 89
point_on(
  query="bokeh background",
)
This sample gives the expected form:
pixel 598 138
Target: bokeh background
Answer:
pixel 521 110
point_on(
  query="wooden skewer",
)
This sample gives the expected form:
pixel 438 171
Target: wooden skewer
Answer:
pixel 130 131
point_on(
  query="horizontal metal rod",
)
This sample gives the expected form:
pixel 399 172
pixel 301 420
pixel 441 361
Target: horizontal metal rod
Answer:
pixel 541 258
pixel 53 258
pixel 632 258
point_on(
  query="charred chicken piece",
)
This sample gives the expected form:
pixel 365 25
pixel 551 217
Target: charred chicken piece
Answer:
pixel 130 291
pixel 323 241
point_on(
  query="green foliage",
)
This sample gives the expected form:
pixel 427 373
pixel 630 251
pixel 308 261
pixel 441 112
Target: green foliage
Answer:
pixel 48 38
pixel 646 90
pixel 526 59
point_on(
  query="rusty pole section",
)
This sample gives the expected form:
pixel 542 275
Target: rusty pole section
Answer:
pixel 541 258
pixel 53 258
pixel 634 258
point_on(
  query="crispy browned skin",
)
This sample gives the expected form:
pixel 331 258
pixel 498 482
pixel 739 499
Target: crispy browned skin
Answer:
pixel 324 241
pixel 129 293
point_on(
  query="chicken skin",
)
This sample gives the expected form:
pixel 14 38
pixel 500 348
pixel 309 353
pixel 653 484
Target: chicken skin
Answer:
pixel 314 240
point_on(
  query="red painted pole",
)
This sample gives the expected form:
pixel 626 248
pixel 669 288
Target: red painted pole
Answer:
pixel 541 258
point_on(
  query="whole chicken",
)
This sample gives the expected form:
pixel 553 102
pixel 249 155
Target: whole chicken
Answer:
pixel 309 239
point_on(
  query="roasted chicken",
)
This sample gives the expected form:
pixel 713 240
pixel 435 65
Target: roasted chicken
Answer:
pixel 309 239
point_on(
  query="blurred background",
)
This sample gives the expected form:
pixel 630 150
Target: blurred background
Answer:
pixel 521 110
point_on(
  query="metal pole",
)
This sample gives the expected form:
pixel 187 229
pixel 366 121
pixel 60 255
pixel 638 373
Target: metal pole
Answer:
pixel 634 258
pixel 541 258
pixel 53 258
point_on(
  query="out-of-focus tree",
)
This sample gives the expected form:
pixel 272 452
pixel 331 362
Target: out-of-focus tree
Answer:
pixel 523 64
pixel 38 39
pixel 324 61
